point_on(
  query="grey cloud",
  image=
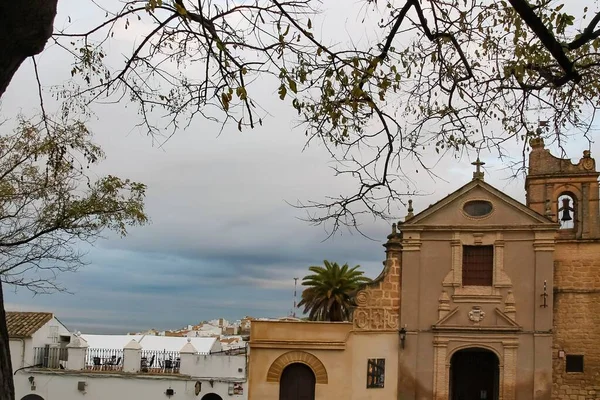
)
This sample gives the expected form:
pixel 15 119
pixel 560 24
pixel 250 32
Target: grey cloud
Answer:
pixel 223 241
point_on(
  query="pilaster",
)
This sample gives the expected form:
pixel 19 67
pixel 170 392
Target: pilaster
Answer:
pixel 132 356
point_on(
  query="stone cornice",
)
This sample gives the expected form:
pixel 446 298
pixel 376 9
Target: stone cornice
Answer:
pixel 487 228
pixel 297 344
pixel 460 328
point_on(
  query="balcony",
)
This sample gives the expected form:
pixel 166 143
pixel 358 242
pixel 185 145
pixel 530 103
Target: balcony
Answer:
pixel 50 357
pixel 160 362
pixel 228 365
pixel 104 359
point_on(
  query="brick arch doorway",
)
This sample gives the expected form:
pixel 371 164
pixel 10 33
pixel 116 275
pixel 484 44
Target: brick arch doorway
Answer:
pixel 474 375
pixel 32 397
pixel 211 396
pixel 297 383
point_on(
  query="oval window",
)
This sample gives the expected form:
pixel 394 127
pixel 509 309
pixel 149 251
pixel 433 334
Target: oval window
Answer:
pixel 477 208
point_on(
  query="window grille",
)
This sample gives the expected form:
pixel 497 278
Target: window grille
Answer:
pixel 478 265
pixel 375 373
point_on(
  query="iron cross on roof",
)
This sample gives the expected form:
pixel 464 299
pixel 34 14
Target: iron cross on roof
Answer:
pixel 478 174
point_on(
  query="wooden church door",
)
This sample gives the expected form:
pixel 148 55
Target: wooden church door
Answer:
pixel 297 383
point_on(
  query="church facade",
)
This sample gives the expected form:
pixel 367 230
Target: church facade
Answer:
pixel 481 297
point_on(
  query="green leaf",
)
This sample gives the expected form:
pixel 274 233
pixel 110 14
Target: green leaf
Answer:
pixel 241 92
pixel 293 86
pixel 282 91
pixel 225 101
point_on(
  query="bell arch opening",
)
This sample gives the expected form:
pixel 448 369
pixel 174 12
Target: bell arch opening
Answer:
pixel 567 210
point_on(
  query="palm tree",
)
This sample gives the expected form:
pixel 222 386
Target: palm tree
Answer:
pixel 328 296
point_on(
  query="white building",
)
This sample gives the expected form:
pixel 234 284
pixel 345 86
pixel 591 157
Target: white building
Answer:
pixel 51 364
pixel 36 338
pixel 205 330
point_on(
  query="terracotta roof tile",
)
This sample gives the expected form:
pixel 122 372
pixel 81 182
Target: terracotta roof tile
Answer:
pixel 25 324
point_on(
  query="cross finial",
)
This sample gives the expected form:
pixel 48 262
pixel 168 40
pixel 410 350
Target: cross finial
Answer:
pixel 478 174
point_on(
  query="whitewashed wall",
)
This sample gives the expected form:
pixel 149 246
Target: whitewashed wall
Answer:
pixel 24 356
pixel 63 386
pixel 17 351
pixel 225 372
pixel 219 366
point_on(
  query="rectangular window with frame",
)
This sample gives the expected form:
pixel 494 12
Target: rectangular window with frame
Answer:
pixel 574 363
pixel 375 373
pixel 478 266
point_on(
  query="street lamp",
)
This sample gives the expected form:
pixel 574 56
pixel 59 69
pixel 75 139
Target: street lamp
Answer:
pixel 402 333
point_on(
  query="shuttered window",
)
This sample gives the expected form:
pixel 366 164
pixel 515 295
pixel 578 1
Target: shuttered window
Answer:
pixel 478 265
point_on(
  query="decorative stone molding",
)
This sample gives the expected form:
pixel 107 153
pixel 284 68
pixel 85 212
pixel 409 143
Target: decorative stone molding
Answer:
pixel 480 294
pixel 291 357
pixel 411 241
pixel 544 241
pixel 509 306
pixel 454 277
pixel 500 277
pixel 362 298
pixel 376 319
pixel 476 315
pixel 477 218
pixel 444 305
pixel 505 347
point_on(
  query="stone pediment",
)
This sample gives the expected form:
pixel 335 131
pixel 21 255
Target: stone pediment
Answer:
pixel 475 318
pixel 505 211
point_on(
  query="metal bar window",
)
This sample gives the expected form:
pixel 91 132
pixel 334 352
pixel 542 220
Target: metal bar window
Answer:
pixel 375 373
pixel 478 265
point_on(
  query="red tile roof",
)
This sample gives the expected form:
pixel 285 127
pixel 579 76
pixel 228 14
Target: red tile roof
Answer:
pixel 25 324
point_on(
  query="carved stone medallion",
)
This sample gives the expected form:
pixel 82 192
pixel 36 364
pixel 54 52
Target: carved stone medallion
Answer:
pixel 362 298
pixel 476 314
pixel 361 319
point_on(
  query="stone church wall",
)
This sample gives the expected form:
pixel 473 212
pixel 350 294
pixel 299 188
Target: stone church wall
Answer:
pixel 577 319
pixel 378 304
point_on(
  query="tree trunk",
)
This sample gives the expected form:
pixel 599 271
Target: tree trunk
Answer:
pixel 25 27
pixel 7 389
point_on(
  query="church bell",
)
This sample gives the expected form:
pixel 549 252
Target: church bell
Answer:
pixel 566 210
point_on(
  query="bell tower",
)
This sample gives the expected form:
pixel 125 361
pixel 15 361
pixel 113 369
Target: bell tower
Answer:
pixel 565 192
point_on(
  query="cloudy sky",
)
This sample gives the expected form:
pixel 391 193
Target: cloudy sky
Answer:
pixel 223 241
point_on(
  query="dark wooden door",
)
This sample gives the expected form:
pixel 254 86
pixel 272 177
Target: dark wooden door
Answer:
pixel 474 375
pixel 297 383
pixel 212 396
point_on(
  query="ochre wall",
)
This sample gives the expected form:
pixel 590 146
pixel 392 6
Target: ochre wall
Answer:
pixel 342 352
pixel 343 348
pixel 577 319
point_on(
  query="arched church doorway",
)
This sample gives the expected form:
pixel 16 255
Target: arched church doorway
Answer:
pixel 474 375
pixel 32 397
pixel 211 396
pixel 297 383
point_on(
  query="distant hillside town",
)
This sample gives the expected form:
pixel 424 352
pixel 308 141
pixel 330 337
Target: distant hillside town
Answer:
pixel 230 334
